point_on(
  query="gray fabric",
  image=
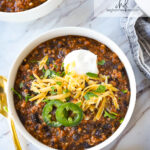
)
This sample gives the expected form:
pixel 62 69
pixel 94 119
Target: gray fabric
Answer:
pixel 137 28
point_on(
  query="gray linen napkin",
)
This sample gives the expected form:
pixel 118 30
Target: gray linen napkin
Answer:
pixel 137 27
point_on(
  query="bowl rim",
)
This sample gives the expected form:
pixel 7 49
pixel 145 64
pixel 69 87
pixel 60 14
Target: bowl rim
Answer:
pixel 62 32
pixel 31 14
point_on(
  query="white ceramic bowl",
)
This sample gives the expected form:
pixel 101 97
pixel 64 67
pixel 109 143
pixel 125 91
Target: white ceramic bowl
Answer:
pixel 62 32
pixel 31 14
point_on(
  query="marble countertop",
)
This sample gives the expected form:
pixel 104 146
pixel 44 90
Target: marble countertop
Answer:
pixel 14 36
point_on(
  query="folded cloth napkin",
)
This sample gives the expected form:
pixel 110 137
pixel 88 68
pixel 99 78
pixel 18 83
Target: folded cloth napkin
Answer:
pixel 137 28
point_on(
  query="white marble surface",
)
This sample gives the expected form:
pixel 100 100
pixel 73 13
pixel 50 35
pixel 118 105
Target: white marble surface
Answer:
pixel 14 36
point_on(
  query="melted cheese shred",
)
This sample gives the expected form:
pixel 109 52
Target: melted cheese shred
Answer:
pixel 43 62
pixel 74 85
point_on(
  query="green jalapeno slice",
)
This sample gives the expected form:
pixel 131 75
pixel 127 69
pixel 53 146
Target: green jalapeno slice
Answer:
pixel 69 114
pixel 47 117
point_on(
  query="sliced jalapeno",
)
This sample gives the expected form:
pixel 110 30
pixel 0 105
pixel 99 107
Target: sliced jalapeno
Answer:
pixel 46 113
pixel 69 114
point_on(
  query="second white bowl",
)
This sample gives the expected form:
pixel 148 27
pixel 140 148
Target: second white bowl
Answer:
pixel 31 14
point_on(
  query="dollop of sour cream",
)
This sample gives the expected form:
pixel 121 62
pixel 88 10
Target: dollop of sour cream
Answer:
pixel 84 61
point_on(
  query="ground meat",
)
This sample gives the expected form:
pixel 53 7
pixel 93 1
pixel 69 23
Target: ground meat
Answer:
pixel 88 133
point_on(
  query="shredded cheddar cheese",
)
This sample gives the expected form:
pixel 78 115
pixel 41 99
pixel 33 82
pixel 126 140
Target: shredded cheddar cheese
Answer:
pixel 43 62
pixel 75 85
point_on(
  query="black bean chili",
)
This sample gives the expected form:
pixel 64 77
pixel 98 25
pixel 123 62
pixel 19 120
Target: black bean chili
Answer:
pixel 88 133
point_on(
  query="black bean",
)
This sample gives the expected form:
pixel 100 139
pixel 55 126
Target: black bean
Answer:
pixel 37 54
pixel 61 53
pixel 88 127
pixel 26 85
pixel 62 127
pixel 32 103
pixel 121 94
pixel 24 63
pixel 115 67
pixel 86 145
pixel 85 47
pixel 36 127
pixel 35 118
pixel 110 79
pixel 119 110
pixel 117 123
pixel 75 128
pixel 80 41
pixel 123 71
pixel 50 60
pixel 9 9
pixel 52 46
pixel 97 125
pixel 106 126
pixel 48 134
pixel 45 128
pixel 22 117
pixel 72 146
pixel 52 143
pixel 98 132
pixel 41 46
pixel 125 103
pixel 86 84
pixel 76 137
pixel 108 64
pixel 63 139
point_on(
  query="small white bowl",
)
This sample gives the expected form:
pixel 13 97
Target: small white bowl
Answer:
pixel 62 32
pixel 31 14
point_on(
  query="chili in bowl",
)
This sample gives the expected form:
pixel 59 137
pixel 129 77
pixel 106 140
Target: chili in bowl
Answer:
pixel 71 88
pixel 21 11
